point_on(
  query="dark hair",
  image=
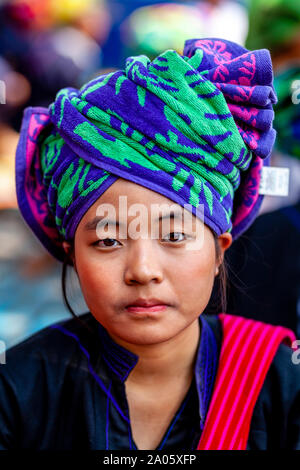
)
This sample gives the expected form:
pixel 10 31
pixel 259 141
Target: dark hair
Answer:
pixel 222 276
pixel 68 261
pixel 221 279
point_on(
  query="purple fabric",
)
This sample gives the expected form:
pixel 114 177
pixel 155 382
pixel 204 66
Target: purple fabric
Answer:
pixel 244 78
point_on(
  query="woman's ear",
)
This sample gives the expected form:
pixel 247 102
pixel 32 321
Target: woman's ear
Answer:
pixel 68 248
pixel 224 241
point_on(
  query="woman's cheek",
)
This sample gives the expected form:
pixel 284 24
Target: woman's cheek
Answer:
pixel 94 278
pixel 201 277
pixel 200 265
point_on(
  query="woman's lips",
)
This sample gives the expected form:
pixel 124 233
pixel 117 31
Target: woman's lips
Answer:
pixel 140 309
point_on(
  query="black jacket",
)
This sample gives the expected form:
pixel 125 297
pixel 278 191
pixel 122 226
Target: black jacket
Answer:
pixel 63 388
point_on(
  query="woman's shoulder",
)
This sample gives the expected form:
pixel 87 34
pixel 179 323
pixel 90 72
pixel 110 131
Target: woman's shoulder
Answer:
pixel 284 371
pixel 286 361
pixel 276 417
pixel 41 377
pixel 58 343
pixel 283 375
pixel 49 335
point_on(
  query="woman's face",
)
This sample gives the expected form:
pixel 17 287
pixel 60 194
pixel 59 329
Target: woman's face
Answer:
pixel 116 272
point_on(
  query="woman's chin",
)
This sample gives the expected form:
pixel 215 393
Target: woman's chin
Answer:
pixel 147 333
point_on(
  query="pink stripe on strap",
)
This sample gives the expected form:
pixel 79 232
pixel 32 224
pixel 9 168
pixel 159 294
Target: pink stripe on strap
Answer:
pixel 248 338
pixel 221 398
pixel 247 351
pixel 250 383
pixel 259 376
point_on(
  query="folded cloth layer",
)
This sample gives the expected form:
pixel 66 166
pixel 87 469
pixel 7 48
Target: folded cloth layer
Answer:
pixel 195 128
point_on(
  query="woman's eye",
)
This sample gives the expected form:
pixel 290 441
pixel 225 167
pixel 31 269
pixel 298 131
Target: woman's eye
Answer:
pixel 176 234
pixel 109 242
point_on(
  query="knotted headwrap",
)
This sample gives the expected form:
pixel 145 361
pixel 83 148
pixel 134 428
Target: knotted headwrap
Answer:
pixel 195 128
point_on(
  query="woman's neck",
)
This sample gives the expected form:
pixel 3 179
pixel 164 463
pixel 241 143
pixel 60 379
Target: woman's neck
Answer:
pixel 166 361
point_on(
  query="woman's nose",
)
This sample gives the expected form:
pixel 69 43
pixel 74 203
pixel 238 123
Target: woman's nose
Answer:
pixel 143 265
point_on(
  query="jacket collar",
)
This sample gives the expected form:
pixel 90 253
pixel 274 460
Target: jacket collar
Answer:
pixel 121 361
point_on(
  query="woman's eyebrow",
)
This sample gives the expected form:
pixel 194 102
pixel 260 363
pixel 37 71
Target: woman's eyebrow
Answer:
pixel 102 220
pixel 99 221
pixel 170 215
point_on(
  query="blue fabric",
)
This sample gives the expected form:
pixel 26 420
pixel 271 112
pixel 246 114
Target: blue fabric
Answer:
pixel 120 363
pixel 50 398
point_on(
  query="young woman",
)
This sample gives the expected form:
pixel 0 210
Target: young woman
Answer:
pixel 144 369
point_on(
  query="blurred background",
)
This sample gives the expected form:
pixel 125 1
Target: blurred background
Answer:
pixel 48 44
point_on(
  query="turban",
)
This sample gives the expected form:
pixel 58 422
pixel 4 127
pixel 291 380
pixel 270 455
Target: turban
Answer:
pixel 196 128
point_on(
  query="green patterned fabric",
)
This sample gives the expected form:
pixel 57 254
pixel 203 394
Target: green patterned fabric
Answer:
pixel 189 127
pixel 198 126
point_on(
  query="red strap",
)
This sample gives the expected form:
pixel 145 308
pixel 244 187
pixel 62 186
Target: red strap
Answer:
pixel 248 348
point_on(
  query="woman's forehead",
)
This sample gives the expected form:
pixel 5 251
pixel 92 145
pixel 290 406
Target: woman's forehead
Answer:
pixel 123 194
pixel 125 202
